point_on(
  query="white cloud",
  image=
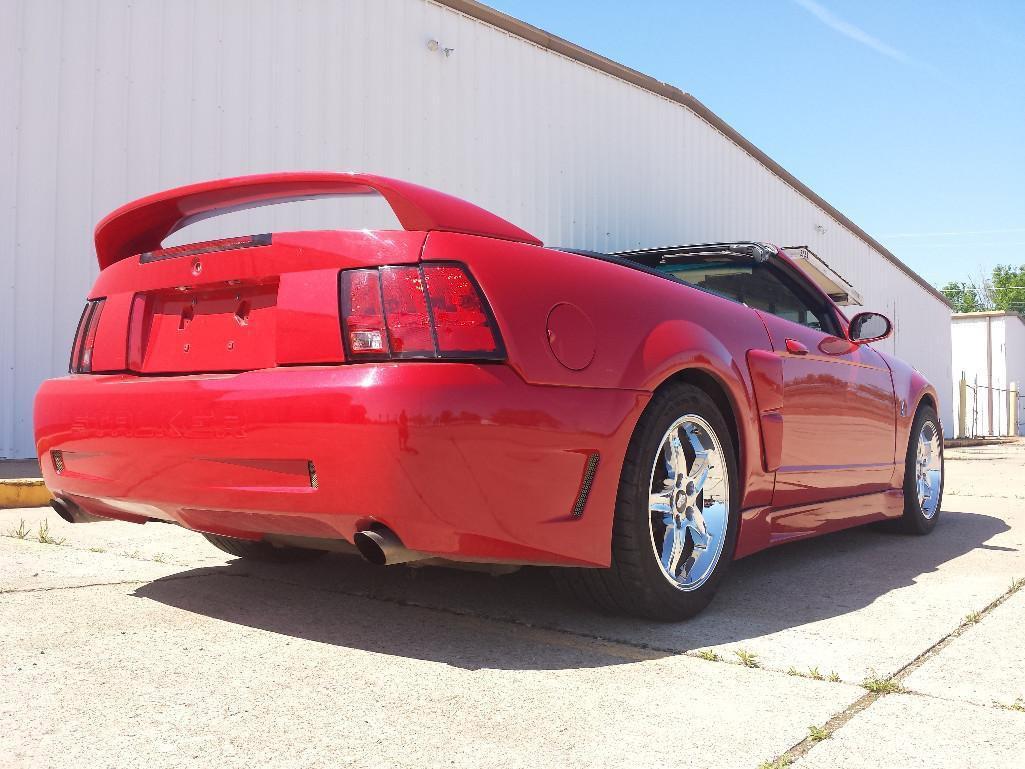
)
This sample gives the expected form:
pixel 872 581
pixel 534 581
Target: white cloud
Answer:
pixel 851 31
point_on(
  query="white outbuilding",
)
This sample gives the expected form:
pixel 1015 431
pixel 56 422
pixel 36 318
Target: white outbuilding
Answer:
pixel 988 359
pixel 108 100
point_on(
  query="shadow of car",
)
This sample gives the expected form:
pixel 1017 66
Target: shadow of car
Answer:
pixel 343 601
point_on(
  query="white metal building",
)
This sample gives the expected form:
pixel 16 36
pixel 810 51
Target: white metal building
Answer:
pixel 988 351
pixel 107 100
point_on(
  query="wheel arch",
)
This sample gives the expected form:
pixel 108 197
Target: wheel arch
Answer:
pixel 927 399
pixel 715 389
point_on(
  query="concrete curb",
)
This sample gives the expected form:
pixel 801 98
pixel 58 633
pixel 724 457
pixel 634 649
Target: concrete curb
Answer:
pixel 23 492
pixel 964 443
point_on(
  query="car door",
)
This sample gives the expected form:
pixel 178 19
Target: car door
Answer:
pixel 839 417
pixel 826 405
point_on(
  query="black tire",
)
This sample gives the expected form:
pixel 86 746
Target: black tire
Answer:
pixel 262 551
pixel 634 583
pixel 916 520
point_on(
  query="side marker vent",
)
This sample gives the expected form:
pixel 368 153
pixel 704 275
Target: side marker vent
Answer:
pixel 585 484
pixel 58 460
pixel 314 483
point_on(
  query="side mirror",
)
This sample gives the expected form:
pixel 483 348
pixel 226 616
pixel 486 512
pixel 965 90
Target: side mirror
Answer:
pixel 869 327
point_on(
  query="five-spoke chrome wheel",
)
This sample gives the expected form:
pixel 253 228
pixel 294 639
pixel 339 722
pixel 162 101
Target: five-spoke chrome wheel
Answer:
pixel 929 468
pixel 688 502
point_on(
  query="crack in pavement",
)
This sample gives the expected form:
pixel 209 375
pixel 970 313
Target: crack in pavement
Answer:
pixel 92 584
pixel 839 720
pixel 542 633
pixel 590 642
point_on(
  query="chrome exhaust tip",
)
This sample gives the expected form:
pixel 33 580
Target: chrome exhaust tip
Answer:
pixel 382 547
pixel 71 512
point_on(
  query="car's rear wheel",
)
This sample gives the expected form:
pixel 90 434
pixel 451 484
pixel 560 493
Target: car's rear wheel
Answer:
pixel 262 551
pixel 677 513
pixel 923 474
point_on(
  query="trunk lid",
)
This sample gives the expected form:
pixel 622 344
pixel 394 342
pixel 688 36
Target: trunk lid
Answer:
pixel 227 306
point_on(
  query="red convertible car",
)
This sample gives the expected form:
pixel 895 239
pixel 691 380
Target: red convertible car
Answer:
pixel 456 392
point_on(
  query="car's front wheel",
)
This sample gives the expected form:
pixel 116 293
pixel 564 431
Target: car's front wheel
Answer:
pixel 262 551
pixel 923 474
pixel 677 513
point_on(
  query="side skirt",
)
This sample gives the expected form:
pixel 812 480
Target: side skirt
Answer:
pixel 763 527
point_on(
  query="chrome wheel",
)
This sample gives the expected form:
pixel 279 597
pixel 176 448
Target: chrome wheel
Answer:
pixel 929 469
pixel 688 502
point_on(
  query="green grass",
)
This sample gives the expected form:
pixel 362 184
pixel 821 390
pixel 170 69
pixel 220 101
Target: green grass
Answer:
pixel 972 618
pixel 834 677
pixel 817 733
pixel 1017 584
pixel 97 549
pixel 747 659
pixel 43 535
pixel 878 685
pixel 708 654
pixel 780 763
pixel 21 532
pixel 814 674
pixel 792 671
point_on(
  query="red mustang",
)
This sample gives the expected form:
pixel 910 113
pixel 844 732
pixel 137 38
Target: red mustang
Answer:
pixel 456 391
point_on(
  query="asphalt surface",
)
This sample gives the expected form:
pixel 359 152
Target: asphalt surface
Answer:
pixel 143 646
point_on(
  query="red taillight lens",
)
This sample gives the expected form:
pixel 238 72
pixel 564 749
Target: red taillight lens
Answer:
pixel 85 338
pixel 434 311
pixel 405 310
pixel 463 324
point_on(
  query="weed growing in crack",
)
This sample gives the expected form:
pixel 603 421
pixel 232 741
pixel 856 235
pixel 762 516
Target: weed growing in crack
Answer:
pixel 1017 584
pixel 878 685
pixel 972 618
pixel 747 659
pixel 817 733
pixel 97 549
pixel 780 763
pixel 43 535
pixel 708 654
pixel 21 532
pixel 815 674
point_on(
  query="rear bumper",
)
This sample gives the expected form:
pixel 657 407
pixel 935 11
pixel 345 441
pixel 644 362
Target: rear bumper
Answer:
pixel 462 461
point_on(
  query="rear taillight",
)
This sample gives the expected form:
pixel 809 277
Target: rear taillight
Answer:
pixel 85 338
pixel 429 311
pixel 462 322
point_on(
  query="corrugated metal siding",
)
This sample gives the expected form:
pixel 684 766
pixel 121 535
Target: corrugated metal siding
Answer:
pixel 111 100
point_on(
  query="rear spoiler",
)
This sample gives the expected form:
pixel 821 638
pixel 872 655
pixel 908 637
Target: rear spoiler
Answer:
pixel 143 224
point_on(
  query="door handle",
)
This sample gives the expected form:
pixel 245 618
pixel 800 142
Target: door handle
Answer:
pixel 796 348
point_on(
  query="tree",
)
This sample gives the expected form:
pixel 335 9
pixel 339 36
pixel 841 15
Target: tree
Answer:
pixel 1009 288
pixel 1003 290
pixel 964 297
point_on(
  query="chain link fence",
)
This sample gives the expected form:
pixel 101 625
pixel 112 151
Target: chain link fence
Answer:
pixel 989 411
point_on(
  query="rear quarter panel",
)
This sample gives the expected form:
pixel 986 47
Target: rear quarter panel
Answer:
pixel 643 328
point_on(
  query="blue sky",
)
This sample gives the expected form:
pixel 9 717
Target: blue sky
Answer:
pixel 907 115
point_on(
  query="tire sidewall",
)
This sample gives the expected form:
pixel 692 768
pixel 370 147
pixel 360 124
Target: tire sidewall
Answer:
pixel 914 519
pixel 665 409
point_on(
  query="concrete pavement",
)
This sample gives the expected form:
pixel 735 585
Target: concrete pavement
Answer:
pixel 134 645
